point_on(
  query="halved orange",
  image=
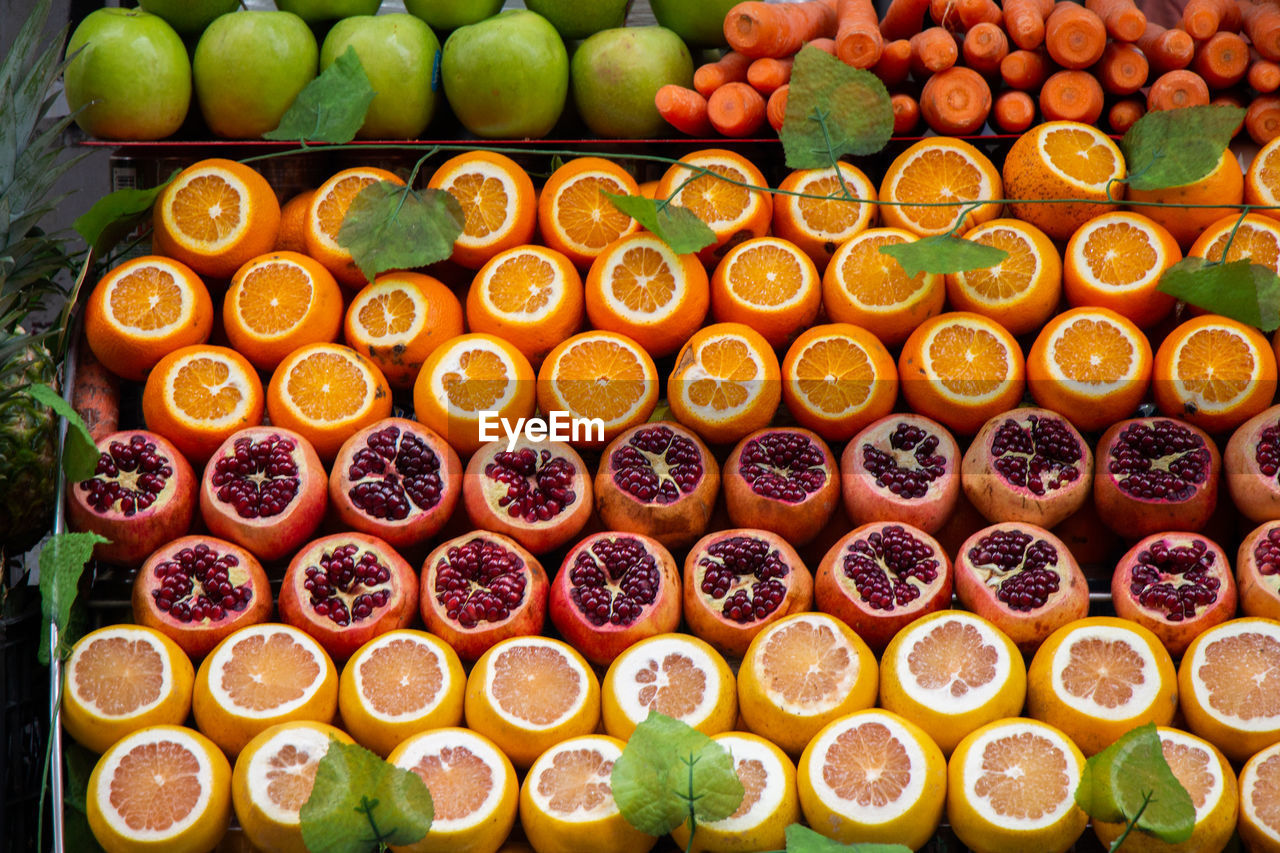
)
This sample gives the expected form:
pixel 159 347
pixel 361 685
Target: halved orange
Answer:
pixel 868 288
pixel 1021 292
pixel 464 378
pixel 214 216
pixel 198 395
pixel 325 214
pixel 726 383
pixel 499 206
pixel 599 375
pixel 939 169
pixel 277 303
pixel 1062 160
pixel 1257 240
pixel 530 296
pixel 838 378
pixel 731 208
pixel 1259 823
pixel 674 674
pixel 1224 185
pixel 638 287
pixel 1214 372
pixel 767 283
pixel 123 678
pixel 1262 181
pixel 1115 261
pixel 574 215
pixel 144 309
pixel 1229 686
pixel 325 392
pixel 961 369
pixel 293 223
pixel 818 225
pixel 1090 365
pixel 160 788
pixel 399 320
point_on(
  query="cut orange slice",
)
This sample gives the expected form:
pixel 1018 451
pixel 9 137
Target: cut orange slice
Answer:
pixel 499 206
pixel 1021 292
pixel 1259 822
pixel 730 208
pixel 160 788
pixel 1262 180
pixel 399 320
pixel 530 296
pixel 1099 677
pixel 198 396
pixel 216 215
pixel 873 777
pixel 1062 160
pixel 277 303
pixel 1257 240
pixel 1115 261
pixel 842 209
pixel 939 169
pixel 144 309
pixel 767 283
pixel 1229 685
pixel 474 791
pixel 600 376
pixel 325 214
pixel 726 383
pixel 397 684
pixel 837 379
pixel 527 694
pixel 574 214
pixel 123 678
pixel 1214 372
pixel 1090 365
pixel 673 674
pixel 868 288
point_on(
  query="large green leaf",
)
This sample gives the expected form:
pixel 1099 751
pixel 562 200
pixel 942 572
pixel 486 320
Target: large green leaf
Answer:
pixel 943 254
pixel 331 108
pixel 1241 290
pixel 395 227
pixel 678 227
pixel 833 110
pixel 1131 781
pixel 1170 148
pixel 62 561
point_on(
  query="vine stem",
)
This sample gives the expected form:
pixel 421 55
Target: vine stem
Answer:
pixel 1131 823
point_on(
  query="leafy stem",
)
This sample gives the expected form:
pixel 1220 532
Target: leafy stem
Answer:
pixel 366 807
pixel 1132 822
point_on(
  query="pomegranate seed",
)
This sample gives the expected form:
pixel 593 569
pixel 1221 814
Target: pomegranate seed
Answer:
pixel 1022 564
pixel 747 573
pixel 479 581
pixel 911 480
pixel 783 466
pixel 1160 460
pixel 614 581
pixel 394 474
pixel 259 478
pixel 883 564
pixel 1177 580
pixel 657 466
pixel 539 485
pixel 1040 454
pixel 345 588
pixel 195 585
pixel 128 477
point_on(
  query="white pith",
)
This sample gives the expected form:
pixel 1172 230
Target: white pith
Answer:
pixel 1085 271
pixel 236 378
pixel 615 186
pixel 1087 389
pixel 110 763
pixel 797 256
pixel 1201 690
pixel 1197 400
pixel 748 749
pixel 985 189
pixel 859 187
pixel 489 172
pixel 972 771
pixel 613 260
pixel 1144 694
pixel 696 372
pixel 1248 781
pixel 939 386
pixel 976 236
pixel 237 291
pixel 311 740
pixel 683 174
pixel 849 678
pixel 323 193
pixel 387 286
pixel 940 698
pixel 222 656
pixel 432 743
pixel 451 362
pixel 206 246
pixel 535 642
pixel 187 305
pixel 838 260
pixel 555 297
pixel 1099 138
pixel 383 641
pixel 131 634
pixel 370 382
pixel 605 748
pixel 869 814
pixel 638 657
pixel 622 342
pixel 1212 766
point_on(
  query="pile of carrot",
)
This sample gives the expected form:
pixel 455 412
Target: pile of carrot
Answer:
pixel 960 66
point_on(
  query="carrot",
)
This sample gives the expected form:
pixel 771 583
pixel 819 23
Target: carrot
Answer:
pixel 1014 111
pixel 767 74
pixel 945 13
pixel 1262 121
pixel 1202 18
pixel 932 51
pixel 956 102
pixel 903 18
pixel 1262 26
pixel 1222 60
pixel 1122 70
pixel 1166 50
pixel 825 45
pixel 1024 23
pixel 895 63
pixel 858 39
pixel 775 109
pixel 684 109
pixel 1264 76
pixel 985 47
pixel 756 29
pixel 1074 36
pixel 1071 96
pixel 96 395
pixel 728 68
pixel 1024 69
pixel 1123 20
pixel 1174 89
pixel 1124 113
pixel 735 109
pixel 906 113
pixel 974 12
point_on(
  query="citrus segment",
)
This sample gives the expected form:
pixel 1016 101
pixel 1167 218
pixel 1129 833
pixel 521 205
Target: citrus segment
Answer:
pixel 717 186
pixel 1255 238
pixel 326 213
pixel 725 383
pixel 1214 372
pixel 277 303
pixel 499 206
pixel 530 296
pixel 1262 180
pixel 326 392
pixel 574 214
pixel 1229 684
pixel 1021 292
pixel 768 284
pixel 819 225
pixel 399 320
pixel 935 170
pixel 197 396
pixel 1259 822
pixel 838 378
pixel 864 286
pixel 674 674
pixel 1062 160
pixel 601 376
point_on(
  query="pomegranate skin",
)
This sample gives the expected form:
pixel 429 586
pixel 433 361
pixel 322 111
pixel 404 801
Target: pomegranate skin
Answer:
pixel 912 453
pixel 794 498
pixel 269 537
pixel 509 492
pixel 1252 463
pixel 133 535
pixel 1258 571
pixel 1144 588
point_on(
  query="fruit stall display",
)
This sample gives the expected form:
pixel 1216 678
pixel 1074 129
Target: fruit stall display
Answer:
pixel 743 495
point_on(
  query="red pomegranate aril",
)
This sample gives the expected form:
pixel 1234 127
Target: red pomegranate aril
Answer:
pixel 1258 571
pixel 903 468
pixel 538 493
pixel 783 480
pixel 1252 462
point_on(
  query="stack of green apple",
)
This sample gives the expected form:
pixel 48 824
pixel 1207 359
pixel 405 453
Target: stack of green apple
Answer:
pixel 504 74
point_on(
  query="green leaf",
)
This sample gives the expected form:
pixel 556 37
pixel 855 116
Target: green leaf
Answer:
pixel 395 227
pixel 79 452
pixel 833 110
pixel 114 215
pixel 331 108
pixel 678 227
pixel 1116 781
pixel 662 411
pixel 1169 148
pixel 360 801
pixel 942 254
pixel 62 561
pixel 802 839
pixel 670 772
pixel 1241 290
pixel 79 764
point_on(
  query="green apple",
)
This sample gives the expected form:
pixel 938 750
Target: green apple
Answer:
pixel 577 19
pixel 699 22
pixel 189 17
pixel 616 73
pixel 249 67
pixel 312 11
pixel 507 76
pixel 130 77
pixel 445 15
pixel 398 53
